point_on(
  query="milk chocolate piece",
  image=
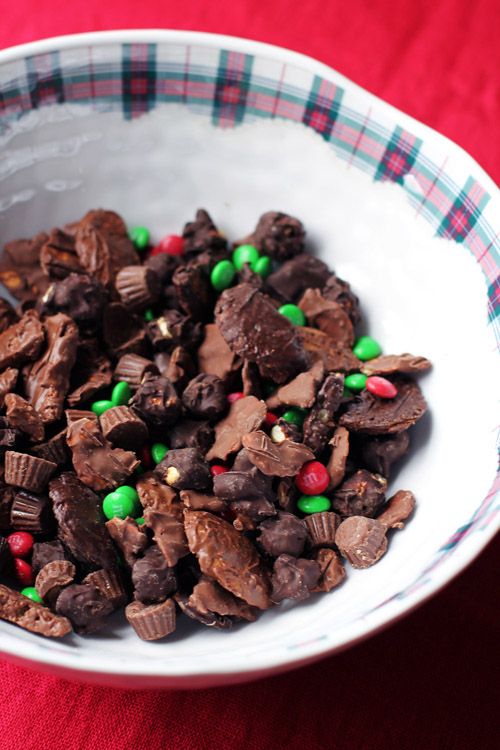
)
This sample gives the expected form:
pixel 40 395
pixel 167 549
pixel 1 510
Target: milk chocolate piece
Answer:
pixel 84 606
pixel 168 533
pixel 46 552
pixel 48 380
pixel 8 315
pixel 184 469
pixel 180 368
pixel 55 449
pixel 30 615
pixel 52 578
pixel 123 428
pixel 131 368
pixel 123 332
pixel 171 329
pixel 138 286
pixel 28 472
pixel 8 436
pixel 285 535
pixel 224 554
pixel 80 522
pixel 58 256
pixel 79 297
pixel 30 512
pixel 301 391
pixel 250 513
pixel 245 415
pixel 8 380
pixel 202 234
pixel 205 397
pixel 328 316
pixel 362 494
pixel 194 292
pixel 214 355
pixel 294 578
pixel 156 494
pixel 109 584
pixel 153 578
pixel 103 246
pixel 332 570
pixel 212 605
pixel 297 274
pixel 320 422
pixel 397 509
pixel 338 290
pixel 371 415
pixel 22 341
pixel 278 235
pixel 250 484
pixel 96 463
pixel 20 270
pixel 163 265
pixel 361 540
pixel 280 460
pixel 92 373
pixel 156 402
pixel 130 538
pixel 189 433
pixel 199 501
pixel 23 417
pixel 319 345
pixel 390 364
pixel 151 622
pixel 338 457
pixel 379 453
pixel 321 528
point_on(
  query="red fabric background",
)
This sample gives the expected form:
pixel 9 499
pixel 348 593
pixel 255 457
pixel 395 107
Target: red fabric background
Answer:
pixel 430 681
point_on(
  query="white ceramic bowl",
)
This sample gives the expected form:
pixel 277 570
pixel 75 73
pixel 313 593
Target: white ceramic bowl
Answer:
pixel 157 123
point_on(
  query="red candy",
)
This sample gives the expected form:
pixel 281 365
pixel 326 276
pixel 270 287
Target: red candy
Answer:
pixel 313 478
pixel 381 387
pixel 172 244
pixel 24 572
pixel 232 397
pixel 145 457
pixel 271 419
pixel 20 543
pixel 217 469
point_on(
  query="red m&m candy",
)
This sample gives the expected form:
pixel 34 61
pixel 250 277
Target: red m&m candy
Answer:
pixel 271 419
pixel 217 469
pixel 232 397
pixel 24 572
pixel 20 543
pixel 381 387
pixel 313 478
pixel 172 244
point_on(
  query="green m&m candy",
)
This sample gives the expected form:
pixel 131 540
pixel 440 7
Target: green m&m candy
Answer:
pixel 262 266
pixel 99 407
pixel 121 393
pixel 158 452
pixel 293 313
pixel 140 521
pixel 366 348
pixel 149 316
pixel 245 254
pixel 295 416
pixel 355 382
pixel 222 275
pixel 139 236
pixel 32 593
pixel 118 505
pixel 313 503
pixel 129 492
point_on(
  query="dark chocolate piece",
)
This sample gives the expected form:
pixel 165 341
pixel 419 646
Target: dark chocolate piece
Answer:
pixel 55 449
pixel 156 494
pixel 20 270
pixel 362 541
pixel 8 315
pixel 362 494
pixel 84 606
pixel 168 533
pixel 130 538
pixel 278 235
pixel 163 265
pixel 296 275
pixel 46 552
pixel 320 422
pixel 245 415
pixel 294 578
pixel 22 341
pixel 250 484
pixel 123 332
pixel 189 433
pixel 6 558
pixel 199 501
pixel 138 286
pixel 185 469
pixel 123 428
pixel 276 460
pixel 202 234
pixel 79 297
pixel 285 535
pixel 194 291
pixel 23 417
pixel 250 513
pixel 379 453
pixel 210 604
pixel 375 416
pixel 205 398
pixel 156 402
pixel 28 472
pixel 22 611
pixel 8 436
pixel 330 317
pixel 103 246
pixel 153 578
pixel 171 329
pixel 338 290
pixel 93 371
pixel 58 256
pixel 152 622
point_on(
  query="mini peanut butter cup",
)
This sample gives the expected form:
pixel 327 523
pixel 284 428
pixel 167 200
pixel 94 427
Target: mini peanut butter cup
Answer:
pixel 52 578
pixel 29 472
pixel 132 368
pixel 30 512
pixel 152 622
pixel 73 415
pixel 109 584
pixel 54 450
pixel 123 428
pixel 332 570
pixel 321 528
pixel 138 286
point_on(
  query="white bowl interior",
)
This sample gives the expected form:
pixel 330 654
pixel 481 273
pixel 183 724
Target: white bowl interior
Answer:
pixel 420 293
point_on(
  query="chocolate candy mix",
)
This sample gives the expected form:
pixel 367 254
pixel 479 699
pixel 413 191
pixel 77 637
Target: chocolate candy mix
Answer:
pixel 193 428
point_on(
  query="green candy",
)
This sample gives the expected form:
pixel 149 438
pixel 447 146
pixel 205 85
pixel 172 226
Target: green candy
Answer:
pixel 262 266
pixel 355 382
pixel 313 503
pixel 222 275
pixel 31 593
pixel 139 521
pixel 118 505
pixel 121 394
pixel 99 407
pixel 295 416
pixel 149 316
pixel 245 254
pixel 293 313
pixel 129 492
pixel 139 236
pixel 158 452
pixel 366 348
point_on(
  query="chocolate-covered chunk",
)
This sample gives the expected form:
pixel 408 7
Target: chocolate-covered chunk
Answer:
pixel 285 535
pixel 250 513
pixel 397 509
pixel 80 522
pixel 301 390
pixel 280 460
pixel 96 463
pixel 171 329
pixel 46 552
pixel 32 513
pixel 214 355
pixel 362 541
pixel 185 469
pixel 92 373
pixel 338 290
pixel 250 379
pixel 55 449
pixel 297 274
pixel 122 331
pixel 8 436
pixel 153 579
pixel 123 428
pixel 109 584
pixel 332 570
pixel 8 315
pixel 8 380
pixel 226 555
pixel 250 484
pixel 48 379
pixel 194 291
pixel 319 345
pixel 379 453
pixel 20 270
pixel 138 286
pixel 278 235
pixel 163 265
pixel 58 257
pixel 6 558
pixel 130 538
pixel 376 416
pixel 152 622
pixel 202 234
pixel 168 533
pixel 74 415
pixel 283 430
pixel 84 606
pixel 362 494
pixel 245 415
pixel 79 297
pixel 19 610
pixel 23 417
pixel 132 369
pixel 156 402
pixel 255 330
pixel 22 341
pixel 287 494
pixel 52 578
pixel 190 433
pixel 103 245
pixel 29 472
pixel 330 317
pixel 338 457
pixel 321 528
pixel 180 367
pixel 320 422
pixel 205 398
pixel 200 501
pixel 390 364
pixel 212 605
pixel 156 494
pixel 294 578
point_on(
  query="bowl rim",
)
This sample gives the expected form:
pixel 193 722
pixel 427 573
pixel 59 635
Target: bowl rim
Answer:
pixel 375 620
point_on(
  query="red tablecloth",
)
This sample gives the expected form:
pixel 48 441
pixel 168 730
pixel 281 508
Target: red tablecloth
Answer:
pixel 430 681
